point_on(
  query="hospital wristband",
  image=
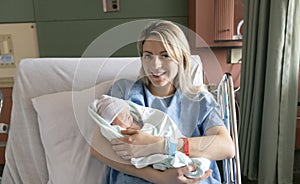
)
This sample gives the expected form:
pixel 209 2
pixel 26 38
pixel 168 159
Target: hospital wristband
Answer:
pixel 172 147
pixel 186 146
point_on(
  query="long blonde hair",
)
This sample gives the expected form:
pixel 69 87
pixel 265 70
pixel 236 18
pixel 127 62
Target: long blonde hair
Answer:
pixel 178 49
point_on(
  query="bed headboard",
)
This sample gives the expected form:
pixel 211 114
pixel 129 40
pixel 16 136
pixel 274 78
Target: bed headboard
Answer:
pixel 27 159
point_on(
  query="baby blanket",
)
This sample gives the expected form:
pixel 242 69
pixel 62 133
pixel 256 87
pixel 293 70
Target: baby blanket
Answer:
pixel 157 123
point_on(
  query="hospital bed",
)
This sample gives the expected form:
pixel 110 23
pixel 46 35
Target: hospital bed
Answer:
pixel 51 132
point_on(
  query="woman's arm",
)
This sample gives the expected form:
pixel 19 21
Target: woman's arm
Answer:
pixel 174 176
pixel 125 168
pixel 216 145
pixel 101 149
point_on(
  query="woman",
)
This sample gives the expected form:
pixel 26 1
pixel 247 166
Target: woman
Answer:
pixel 165 84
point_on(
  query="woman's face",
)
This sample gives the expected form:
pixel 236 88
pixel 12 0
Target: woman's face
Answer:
pixel 159 67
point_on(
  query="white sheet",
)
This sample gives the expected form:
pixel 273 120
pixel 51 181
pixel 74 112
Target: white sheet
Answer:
pixel 25 155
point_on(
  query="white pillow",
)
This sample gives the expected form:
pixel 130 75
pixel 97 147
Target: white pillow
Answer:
pixel 67 147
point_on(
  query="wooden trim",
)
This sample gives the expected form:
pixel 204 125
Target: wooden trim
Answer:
pixel 6 82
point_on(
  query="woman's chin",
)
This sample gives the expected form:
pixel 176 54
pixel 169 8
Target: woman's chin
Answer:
pixel 159 83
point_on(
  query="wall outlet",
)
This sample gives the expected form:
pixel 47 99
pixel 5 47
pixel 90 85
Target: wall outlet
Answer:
pixel 111 5
pixel 235 55
pixel 6 51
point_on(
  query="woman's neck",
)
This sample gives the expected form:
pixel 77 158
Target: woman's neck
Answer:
pixel 161 91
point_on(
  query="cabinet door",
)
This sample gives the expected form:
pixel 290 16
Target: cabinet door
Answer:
pixel 224 18
pixel 202 21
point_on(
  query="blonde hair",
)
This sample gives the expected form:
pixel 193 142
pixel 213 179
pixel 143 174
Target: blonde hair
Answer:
pixel 177 47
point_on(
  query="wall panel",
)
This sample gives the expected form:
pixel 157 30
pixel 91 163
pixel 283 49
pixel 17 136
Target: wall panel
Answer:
pixel 12 11
pixel 71 38
pixel 93 9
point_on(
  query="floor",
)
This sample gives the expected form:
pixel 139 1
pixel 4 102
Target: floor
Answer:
pixel 1 171
pixel 297 167
pixel 296 178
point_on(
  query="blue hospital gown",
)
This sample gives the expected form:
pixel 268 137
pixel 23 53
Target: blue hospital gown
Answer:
pixel 192 115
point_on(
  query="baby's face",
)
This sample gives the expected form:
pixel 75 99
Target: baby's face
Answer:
pixel 123 119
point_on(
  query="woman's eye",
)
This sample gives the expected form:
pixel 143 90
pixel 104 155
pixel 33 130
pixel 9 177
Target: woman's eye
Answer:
pixel 147 57
pixel 166 57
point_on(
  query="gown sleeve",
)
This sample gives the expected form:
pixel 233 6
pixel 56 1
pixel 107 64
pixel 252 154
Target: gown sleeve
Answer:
pixel 120 89
pixel 212 114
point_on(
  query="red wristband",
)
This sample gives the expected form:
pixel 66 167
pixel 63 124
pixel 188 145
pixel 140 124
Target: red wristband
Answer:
pixel 186 146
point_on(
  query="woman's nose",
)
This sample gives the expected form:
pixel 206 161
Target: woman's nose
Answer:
pixel 157 63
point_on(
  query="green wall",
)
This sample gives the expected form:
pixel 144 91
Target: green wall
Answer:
pixel 16 11
pixel 65 28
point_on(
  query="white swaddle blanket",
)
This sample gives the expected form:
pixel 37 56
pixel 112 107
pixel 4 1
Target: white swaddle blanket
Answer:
pixel 156 123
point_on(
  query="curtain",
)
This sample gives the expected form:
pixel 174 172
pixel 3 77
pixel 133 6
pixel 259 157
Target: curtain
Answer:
pixel 269 87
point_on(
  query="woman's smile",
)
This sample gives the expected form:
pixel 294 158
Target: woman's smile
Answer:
pixel 158 74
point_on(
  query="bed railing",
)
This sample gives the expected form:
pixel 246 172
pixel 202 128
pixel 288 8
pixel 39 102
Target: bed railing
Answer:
pixel 226 99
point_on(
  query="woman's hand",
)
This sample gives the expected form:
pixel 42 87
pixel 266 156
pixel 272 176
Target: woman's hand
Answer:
pixel 177 176
pixel 137 144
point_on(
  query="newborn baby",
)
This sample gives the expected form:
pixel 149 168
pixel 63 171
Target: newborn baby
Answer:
pixel 113 115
